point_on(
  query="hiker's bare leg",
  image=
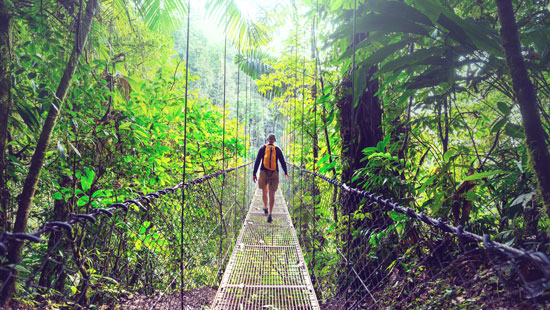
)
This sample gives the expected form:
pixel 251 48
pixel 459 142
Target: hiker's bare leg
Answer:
pixel 271 201
pixel 264 197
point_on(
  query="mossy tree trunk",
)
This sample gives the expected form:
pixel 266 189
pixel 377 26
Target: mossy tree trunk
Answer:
pixel 5 106
pixel 360 126
pixel 527 99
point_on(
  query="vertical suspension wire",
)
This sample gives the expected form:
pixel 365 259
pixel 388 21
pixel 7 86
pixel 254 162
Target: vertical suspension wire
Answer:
pixel 352 121
pixel 245 187
pixel 295 103
pixel 246 125
pixel 184 147
pixel 222 223
pixel 253 129
pixel 302 163
pixel 236 157
pixel 245 184
pixel 315 139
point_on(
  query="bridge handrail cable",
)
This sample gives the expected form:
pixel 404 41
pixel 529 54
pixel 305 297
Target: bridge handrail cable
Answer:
pixel 538 258
pixel 96 213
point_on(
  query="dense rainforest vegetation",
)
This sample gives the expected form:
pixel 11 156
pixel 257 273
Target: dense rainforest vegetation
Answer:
pixel 442 105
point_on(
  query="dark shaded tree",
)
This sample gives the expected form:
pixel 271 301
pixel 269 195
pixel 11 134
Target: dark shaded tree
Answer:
pixel 526 98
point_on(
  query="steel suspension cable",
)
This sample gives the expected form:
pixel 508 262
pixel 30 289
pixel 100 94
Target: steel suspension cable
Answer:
pixel 302 140
pixel 245 188
pixel 295 96
pixel 237 144
pixel 223 139
pixel 254 130
pixel 247 123
pixel 314 192
pixel 184 147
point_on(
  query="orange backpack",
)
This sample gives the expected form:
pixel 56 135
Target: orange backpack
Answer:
pixel 270 157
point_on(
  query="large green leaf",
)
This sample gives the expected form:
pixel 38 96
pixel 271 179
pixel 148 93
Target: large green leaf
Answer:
pixel 481 175
pixel 514 131
pixel 456 32
pixel 434 76
pixel 433 55
pixel 381 54
pixel 164 15
pixel 372 38
pixel 379 23
pixel 240 29
pixel 386 24
pixel 499 124
pixel 29 115
pixel 504 108
pixel 254 63
pixel 539 36
pixel 466 31
pixel 399 10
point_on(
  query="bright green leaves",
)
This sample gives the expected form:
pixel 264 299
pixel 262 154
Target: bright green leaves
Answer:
pixel 254 63
pixel 57 196
pixel 482 175
pixel 86 179
pixel 449 155
pixel 82 201
pixel 163 15
pixel 326 165
pixel 243 32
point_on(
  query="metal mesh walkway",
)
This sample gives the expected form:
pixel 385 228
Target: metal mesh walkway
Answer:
pixel 267 269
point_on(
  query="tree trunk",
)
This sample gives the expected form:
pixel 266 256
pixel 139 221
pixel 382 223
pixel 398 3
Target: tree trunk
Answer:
pixel 37 160
pixel 54 272
pixel 358 132
pixel 363 131
pixel 527 99
pixel 5 105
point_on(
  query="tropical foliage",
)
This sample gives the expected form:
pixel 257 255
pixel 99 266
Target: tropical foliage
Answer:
pixel 418 100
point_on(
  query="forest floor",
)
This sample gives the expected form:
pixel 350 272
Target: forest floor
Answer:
pixel 195 299
pixel 469 282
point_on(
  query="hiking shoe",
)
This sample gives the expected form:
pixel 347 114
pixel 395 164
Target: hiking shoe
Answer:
pixel 265 211
pixel 269 219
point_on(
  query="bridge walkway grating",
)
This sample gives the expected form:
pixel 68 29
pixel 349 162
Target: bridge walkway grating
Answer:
pixel 267 269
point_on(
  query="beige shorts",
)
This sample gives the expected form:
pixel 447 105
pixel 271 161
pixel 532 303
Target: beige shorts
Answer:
pixel 269 179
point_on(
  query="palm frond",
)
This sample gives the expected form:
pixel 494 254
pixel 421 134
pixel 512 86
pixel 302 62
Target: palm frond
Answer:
pixel 240 30
pixel 256 63
pixel 163 15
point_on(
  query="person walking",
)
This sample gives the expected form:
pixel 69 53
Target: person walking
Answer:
pixel 269 172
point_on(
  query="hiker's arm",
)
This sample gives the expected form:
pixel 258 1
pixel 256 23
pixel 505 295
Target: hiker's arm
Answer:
pixel 282 160
pixel 259 157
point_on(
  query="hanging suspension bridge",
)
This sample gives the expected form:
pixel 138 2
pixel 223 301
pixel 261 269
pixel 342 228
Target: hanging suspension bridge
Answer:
pixel 267 267
pixel 142 254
